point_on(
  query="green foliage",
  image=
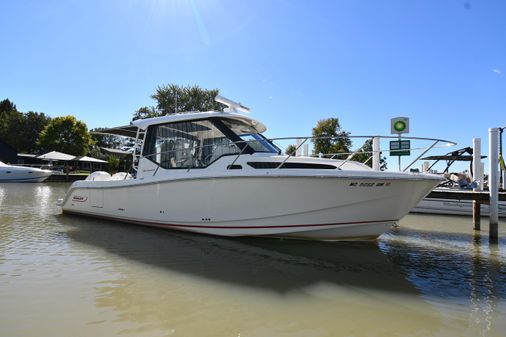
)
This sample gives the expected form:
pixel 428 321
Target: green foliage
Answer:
pixel 21 130
pixel 113 163
pixel 7 106
pixel 146 112
pixel 333 140
pixel 290 149
pixel 32 125
pixel 10 123
pixel 173 98
pixel 66 134
pixel 96 153
pixel 104 140
pixel 364 155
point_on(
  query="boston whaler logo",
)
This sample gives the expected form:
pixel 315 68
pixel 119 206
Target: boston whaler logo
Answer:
pixel 79 198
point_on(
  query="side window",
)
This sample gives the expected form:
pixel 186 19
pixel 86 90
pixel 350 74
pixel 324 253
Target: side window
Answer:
pixel 190 144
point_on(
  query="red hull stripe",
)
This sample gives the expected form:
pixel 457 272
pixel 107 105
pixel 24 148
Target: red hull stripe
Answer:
pixel 159 224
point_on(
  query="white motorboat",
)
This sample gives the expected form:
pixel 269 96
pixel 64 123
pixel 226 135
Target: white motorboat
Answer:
pixel 215 173
pixel 454 207
pixel 455 181
pixel 22 174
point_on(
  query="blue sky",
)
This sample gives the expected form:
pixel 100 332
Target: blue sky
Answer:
pixel 442 63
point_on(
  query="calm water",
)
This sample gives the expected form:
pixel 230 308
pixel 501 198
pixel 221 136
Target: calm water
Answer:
pixel 69 276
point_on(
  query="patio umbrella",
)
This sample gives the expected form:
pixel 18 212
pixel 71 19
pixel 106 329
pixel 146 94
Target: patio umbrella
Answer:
pixel 90 159
pixel 55 155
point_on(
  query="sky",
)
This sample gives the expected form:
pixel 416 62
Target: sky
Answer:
pixel 442 63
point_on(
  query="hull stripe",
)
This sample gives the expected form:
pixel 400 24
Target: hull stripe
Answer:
pixel 161 224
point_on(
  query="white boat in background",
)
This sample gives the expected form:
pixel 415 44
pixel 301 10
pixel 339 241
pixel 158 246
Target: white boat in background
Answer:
pixel 454 207
pixel 455 181
pixel 215 173
pixel 22 174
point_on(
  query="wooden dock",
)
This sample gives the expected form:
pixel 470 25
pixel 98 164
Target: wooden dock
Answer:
pixel 483 197
pixel 478 198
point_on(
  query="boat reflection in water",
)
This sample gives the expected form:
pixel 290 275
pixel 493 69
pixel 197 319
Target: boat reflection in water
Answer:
pixel 312 281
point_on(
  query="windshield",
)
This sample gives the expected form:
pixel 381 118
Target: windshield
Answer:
pixel 259 143
pixel 255 141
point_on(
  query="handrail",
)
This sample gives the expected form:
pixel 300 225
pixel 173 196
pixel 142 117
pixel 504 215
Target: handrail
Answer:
pixel 290 154
pixel 351 155
pixel 451 143
pixel 420 156
pixel 349 158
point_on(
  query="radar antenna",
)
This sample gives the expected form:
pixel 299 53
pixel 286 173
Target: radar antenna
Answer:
pixel 231 105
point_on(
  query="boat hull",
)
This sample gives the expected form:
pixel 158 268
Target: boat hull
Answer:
pixel 454 207
pixel 25 175
pixel 317 208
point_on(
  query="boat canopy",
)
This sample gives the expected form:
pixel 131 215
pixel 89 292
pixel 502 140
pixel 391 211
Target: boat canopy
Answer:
pixel 131 130
pixel 125 131
pixel 144 123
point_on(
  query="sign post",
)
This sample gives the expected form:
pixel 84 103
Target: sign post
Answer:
pixel 398 126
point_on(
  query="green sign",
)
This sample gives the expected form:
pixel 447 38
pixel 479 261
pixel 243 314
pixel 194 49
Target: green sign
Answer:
pixel 400 148
pixel 399 125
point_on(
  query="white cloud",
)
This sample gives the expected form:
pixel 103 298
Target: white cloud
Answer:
pixel 497 71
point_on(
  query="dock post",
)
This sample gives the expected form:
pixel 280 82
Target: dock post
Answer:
pixel 493 183
pixel 476 215
pixel 477 170
pixel 298 143
pixel 376 154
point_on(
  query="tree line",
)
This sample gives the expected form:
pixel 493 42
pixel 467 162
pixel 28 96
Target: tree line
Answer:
pixel 35 132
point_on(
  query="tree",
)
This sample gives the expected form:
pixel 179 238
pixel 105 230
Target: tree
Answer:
pixel 10 123
pixel 364 155
pixel 32 125
pixel 104 140
pixel 173 98
pixel 7 106
pixel 290 149
pixel 146 112
pixel 332 139
pixel 21 130
pixel 113 163
pixel 66 134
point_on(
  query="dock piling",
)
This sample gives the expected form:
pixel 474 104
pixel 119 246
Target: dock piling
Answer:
pixel 476 215
pixel 477 164
pixel 376 154
pixel 493 183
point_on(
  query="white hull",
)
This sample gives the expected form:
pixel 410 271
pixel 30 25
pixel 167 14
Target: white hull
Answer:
pixel 304 207
pixel 454 207
pixel 21 174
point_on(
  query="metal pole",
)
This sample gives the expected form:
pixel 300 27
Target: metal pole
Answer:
pixel 493 183
pixel 376 156
pixel 503 172
pixel 399 157
pixel 477 172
